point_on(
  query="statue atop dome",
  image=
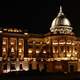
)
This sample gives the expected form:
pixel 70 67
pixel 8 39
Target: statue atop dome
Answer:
pixel 60 11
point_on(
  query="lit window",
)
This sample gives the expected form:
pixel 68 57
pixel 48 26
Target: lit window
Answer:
pixel 5 29
pixel 29 51
pixel 41 42
pixel 75 52
pixel 34 59
pixel 41 59
pixel 10 30
pixel 70 51
pixel 4 42
pixel 20 43
pixel 34 42
pixel 47 42
pixel 4 49
pixel 15 30
pixel 12 49
pixel 68 54
pixel 37 51
pixel 73 43
pixel 20 50
pixel 0 31
pixel 44 51
pixel 12 43
pixel 68 43
pixel 25 33
pixel 64 51
pixel 53 51
pixel 62 43
pixel 54 43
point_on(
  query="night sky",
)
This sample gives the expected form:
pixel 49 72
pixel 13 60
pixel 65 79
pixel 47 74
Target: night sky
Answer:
pixel 36 15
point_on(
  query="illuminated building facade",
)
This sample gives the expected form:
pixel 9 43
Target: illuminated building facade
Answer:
pixel 58 50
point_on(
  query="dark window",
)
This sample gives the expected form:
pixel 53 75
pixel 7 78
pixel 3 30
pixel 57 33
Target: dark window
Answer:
pixel 67 48
pixel 62 48
pixel 12 66
pixel 21 66
pixel 45 68
pixel 71 68
pixel 5 66
pixel 56 48
pixel 30 66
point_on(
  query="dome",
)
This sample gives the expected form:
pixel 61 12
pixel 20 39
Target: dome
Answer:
pixel 60 21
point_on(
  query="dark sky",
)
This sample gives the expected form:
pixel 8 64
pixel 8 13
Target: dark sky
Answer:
pixel 36 15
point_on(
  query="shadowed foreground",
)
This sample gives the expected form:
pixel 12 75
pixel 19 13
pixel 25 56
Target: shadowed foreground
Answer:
pixel 35 75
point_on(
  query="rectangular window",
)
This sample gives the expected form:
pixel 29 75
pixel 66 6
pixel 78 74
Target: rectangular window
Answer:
pixel 5 66
pixel 12 66
pixel 21 66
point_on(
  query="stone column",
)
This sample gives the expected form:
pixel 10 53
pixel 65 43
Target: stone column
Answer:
pixel 41 66
pixel 50 66
pixel 8 67
pixel 17 66
pixel 34 64
pixel 25 65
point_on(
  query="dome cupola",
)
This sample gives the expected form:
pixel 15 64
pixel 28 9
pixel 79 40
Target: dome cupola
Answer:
pixel 61 24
